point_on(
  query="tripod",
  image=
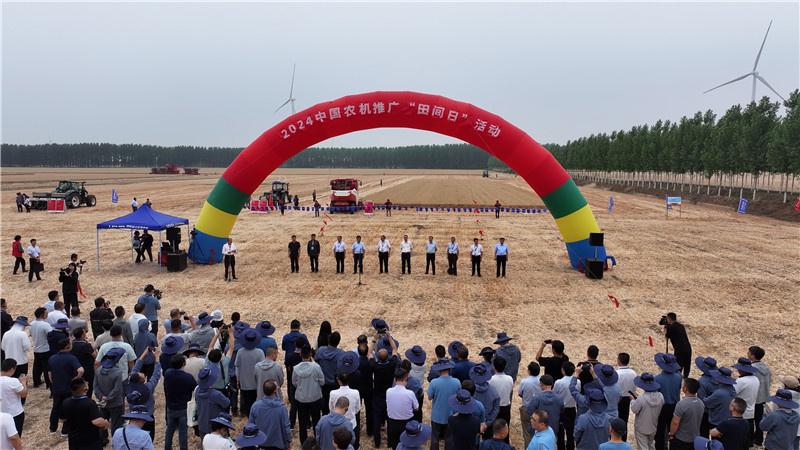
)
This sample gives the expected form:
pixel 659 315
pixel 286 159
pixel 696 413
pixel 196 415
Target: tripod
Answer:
pixel 359 280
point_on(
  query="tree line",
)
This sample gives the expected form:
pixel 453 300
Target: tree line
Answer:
pixel 745 143
pixel 448 156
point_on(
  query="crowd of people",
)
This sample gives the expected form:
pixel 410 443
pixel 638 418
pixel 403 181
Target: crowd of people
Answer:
pixel 103 389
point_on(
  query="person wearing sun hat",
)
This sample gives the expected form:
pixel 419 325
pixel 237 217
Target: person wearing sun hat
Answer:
pixel 701 443
pixel 170 345
pixel 747 385
pixel 139 389
pixel 781 424
pixel 718 403
pixel 707 387
pixel 219 438
pixel 251 438
pixel 414 436
pixel 646 406
pixel 670 380
pixel 591 428
pixel 486 394
pixel 246 359
pixel 16 342
pixel 463 426
pixel 195 359
pixel 204 334
pixel 608 378
pixel 266 329
pixel 792 384
pixel 417 357
pixel 210 402
pixel 510 352
pixel 439 391
pixel 108 388
pixel 133 435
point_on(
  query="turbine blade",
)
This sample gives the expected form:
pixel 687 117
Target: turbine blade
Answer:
pixel 762 46
pixel 770 87
pixel 293 111
pixel 284 104
pixel 291 89
pixel 729 82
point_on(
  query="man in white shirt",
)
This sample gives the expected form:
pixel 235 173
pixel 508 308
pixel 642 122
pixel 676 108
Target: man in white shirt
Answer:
pixel 53 297
pixel 134 204
pixel 625 382
pixel 9 437
pixel 400 406
pixel 58 313
pixel 430 254
pixel 354 409
pixel 13 390
pixel 16 344
pixel 383 254
pixel 452 256
pixel 137 315
pixel 564 435
pixel 405 254
pixel 747 389
pixel 229 252
pixel 34 258
pixel 504 385
pixel 339 248
pixel 476 250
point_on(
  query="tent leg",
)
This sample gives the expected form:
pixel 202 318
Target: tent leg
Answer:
pixel 131 245
pixel 159 251
pixel 98 250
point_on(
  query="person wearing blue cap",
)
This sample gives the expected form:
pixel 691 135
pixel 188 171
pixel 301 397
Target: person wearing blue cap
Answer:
pixel 414 436
pixel 439 391
pixel 591 428
pixel 732 432
pixel 707 387
pixel 608 378
pixel 210 402
pixel 245 362
pixel 510 353
pixel 108 389
pixel 140 387
pixel 747 388
pixel 647 407
pixel 781 425
pixel 486 394
pixel 219 438
pixel 271 417
pixel 133 436
pixel 203 335
pixel 251 438
pixel 464 427
pixel 718 403
pixel 670 380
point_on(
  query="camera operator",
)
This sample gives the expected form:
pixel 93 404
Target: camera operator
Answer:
pixel 101 312
pixel 151 298
pixel 73 259
pixel 675 331
pixel 69 286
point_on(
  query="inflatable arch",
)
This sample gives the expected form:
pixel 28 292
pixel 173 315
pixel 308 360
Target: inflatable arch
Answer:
pixel 400 110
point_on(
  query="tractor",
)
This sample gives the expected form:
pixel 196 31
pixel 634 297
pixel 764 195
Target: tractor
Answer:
pixel 73 192
pixel 280 191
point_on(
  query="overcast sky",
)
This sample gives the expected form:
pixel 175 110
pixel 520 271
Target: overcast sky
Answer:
pixel 212 74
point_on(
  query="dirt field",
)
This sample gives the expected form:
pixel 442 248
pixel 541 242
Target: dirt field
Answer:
pixel 731 279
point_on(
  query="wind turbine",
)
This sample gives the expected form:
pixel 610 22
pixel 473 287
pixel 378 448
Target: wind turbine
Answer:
pixel 291 89
pixel 754 73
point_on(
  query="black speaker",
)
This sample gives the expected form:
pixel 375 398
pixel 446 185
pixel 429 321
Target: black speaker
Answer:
pixel 596 239
pixel 174 234
pixel 176 262
pixel 594 268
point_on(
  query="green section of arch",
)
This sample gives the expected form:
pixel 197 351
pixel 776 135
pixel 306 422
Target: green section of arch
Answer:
pixel 565 200
pixel 227 198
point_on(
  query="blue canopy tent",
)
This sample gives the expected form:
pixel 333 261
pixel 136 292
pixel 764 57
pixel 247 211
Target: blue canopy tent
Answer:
pixel 143 218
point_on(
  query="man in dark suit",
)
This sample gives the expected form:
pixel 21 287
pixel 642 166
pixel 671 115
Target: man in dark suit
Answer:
pixel 313 253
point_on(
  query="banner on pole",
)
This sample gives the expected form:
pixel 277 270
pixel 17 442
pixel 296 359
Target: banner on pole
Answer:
pixel 369 208
pixel 610 203
pixel 742 206
pixel 114 196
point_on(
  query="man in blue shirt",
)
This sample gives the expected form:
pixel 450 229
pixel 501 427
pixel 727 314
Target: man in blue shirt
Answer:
pixel 358 255
pixel 718 403
pixel 617 429
pixel 133 436
pixel 670 380
pixel 63 368
pixel 501 256
pixel 430 255
pixel 543 437
pixel 151 307
pixel 591 428
pixel 463 365
pixel 439 391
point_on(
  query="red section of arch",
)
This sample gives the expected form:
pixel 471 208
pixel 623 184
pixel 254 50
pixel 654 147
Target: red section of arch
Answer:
pixel 396 110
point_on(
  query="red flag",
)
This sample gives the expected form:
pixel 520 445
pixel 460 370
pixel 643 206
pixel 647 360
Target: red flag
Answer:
pixel 651 340
pixel 480 232
pixel 325 222
pixel 797 205
pixel 329 217
pixel 80 291
pixel 211 261
pixel 477 220
pixel 616 303
pixel 322 229
pixel 473 201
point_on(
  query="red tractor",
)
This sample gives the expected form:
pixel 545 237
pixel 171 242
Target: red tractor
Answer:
pixel 344 193
pixel 167 169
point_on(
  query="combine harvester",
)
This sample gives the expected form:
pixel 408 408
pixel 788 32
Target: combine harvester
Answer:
pixel 344 194
pixel 172 169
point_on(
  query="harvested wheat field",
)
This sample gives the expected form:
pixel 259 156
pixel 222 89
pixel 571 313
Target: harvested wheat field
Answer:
pixel 731 279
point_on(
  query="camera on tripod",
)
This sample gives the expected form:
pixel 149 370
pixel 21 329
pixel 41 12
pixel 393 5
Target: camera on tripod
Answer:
pixel 663 321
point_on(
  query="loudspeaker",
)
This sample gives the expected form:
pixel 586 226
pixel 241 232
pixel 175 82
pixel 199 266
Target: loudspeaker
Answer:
pixel 594 268
pixel 176 262
pixel 596 239
pixel 174 234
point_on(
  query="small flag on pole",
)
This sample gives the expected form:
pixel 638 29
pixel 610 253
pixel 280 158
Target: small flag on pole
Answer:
pixel 742 206
pixel 616 302
pixel 797 205
pixel 114 196
pixel 610 203
pixel 650 339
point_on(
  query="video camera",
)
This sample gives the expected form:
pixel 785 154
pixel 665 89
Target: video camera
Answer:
pixel 663 321
pixel 157 293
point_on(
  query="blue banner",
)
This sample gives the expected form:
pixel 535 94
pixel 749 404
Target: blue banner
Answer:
pixel 114 196
pixel 742 206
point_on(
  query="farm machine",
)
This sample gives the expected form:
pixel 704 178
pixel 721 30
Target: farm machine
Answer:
pixel 72 192
pixel 280 191
pixel 344 193
pixel 174 169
